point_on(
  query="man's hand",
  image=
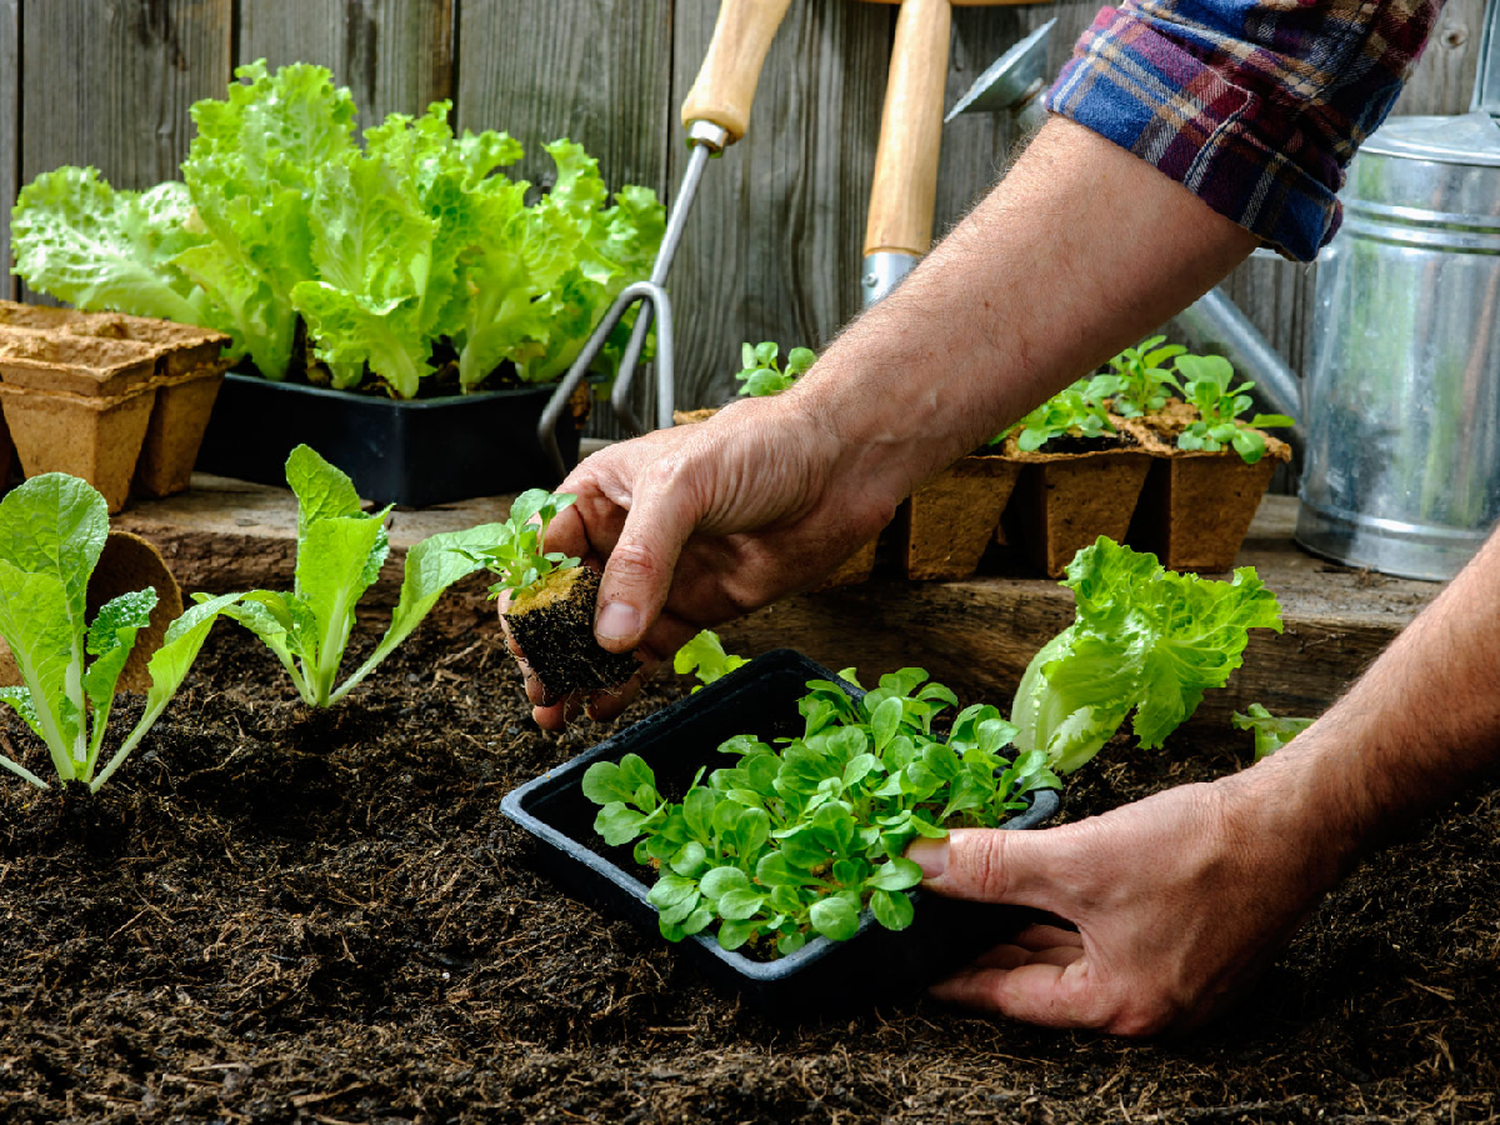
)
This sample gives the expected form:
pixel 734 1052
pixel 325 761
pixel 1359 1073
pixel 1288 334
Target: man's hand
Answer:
pixel 1178 901
pixel 702 523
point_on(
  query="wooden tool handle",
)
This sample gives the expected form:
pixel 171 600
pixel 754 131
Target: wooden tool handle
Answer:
pixel 725 85
pixel 905 187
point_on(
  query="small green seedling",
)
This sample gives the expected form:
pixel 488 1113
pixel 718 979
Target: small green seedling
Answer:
pixel 1207 385
pixel 763 376
pixel 1138 383
pixel 798 840
pixel 1271 733
pixel 340 550
pixel 516 554
pixel 52 531
pixel 704 656
pixel 1079 411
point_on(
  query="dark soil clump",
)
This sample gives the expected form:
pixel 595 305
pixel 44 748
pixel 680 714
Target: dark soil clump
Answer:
pixel 555 629
pixel 273 915
pixel 1077 443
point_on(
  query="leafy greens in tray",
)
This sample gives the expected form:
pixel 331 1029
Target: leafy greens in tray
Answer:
pixel 384 251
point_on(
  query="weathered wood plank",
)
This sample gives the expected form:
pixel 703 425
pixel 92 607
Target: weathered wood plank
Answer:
pixel 772 250
pixel 395 55
pixel 1444 79
pixel 10 129
pixel 111 83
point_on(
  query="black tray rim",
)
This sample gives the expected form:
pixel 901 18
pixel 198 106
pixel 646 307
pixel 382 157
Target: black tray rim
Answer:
pixel 381 402
pixel 1045 804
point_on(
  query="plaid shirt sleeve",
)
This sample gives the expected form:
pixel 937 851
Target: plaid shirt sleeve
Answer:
pixel 1256 106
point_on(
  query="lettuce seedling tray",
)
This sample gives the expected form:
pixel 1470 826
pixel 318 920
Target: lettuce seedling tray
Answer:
pixel 824 976
pixel 414 453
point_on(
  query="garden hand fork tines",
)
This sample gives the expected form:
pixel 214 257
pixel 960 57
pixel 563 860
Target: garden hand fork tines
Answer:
pixel 716 113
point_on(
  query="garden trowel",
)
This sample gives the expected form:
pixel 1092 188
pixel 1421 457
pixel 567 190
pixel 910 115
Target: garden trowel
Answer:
pixel 716 113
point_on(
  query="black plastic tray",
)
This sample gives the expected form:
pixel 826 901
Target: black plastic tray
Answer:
pixel 823 976
pixel 417 453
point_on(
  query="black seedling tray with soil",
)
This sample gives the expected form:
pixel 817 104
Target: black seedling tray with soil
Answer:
pixel 876 965
pixel 414 453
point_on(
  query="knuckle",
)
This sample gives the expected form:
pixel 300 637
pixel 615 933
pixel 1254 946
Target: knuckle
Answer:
pixel 983 852
pixel 631 561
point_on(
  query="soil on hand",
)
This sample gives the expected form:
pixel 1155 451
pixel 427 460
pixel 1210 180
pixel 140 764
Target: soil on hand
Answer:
pixel 272 914
pixel 554 627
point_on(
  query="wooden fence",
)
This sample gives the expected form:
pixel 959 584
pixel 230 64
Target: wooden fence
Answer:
pixel 772 250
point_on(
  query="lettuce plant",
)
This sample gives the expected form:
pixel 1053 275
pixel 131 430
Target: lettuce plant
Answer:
pixel 762 375
pixel 798 840
pixel 340 550
pixel 1271 733
pixel 704 657
pixel 1144 639
pixel 52 530
pixel 1079 410
pixel 515 551
pixel 1208 385
pixel 1139 383
pixel 384 251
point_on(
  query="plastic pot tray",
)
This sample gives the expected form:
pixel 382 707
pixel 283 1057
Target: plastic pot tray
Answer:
pixel 761 698
pixel 416 453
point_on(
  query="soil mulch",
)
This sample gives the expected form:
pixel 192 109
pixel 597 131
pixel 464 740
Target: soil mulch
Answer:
pixel 275 915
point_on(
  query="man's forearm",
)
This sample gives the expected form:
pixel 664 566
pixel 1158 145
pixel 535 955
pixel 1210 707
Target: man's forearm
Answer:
pixel 1078 252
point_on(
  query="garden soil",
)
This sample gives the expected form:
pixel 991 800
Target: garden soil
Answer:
pixel 276 915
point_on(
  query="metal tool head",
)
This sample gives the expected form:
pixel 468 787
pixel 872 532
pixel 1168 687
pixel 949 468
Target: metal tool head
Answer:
pixel 1011 81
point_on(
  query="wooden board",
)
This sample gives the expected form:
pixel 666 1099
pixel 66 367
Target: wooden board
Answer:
pixel 10 132
pixel 396 56
pixel 976 635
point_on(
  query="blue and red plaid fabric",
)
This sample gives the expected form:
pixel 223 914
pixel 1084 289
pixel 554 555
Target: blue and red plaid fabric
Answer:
pixel 1256 106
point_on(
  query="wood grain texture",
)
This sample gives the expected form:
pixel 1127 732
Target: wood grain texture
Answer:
pixel 109 83
pixel 725 88
pixel 10 132
pixel 772 247
pixel 395 55
pixel 1444 79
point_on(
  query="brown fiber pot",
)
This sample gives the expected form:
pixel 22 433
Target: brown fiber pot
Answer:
pixel 1196 507
pixel 1063 502
pixel 948 522
pixel 127 563
pixel 175 433
pixel 96 438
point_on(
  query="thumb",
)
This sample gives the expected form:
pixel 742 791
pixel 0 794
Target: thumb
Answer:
pixel 992 865
pixel 638 573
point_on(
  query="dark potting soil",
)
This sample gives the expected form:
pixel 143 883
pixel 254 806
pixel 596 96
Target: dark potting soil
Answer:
pixel 1077 443
pixel 275 915
pixel 557 636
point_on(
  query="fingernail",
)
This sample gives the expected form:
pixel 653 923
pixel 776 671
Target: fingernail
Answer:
pixel 930 855
pixel 618 620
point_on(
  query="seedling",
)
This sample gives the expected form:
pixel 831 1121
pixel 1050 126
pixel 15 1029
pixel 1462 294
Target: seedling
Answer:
pixel 799 839
pixel 1144 639
pixel 1139 383
pixel 1207 385
pixel 1271 733
pixel 763 376
pixel 552 601
pixel 704 656
pixel 340 550
pixel 1079 411
pixel 52 531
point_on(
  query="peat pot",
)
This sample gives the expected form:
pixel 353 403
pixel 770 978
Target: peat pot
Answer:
pixel 1402 403
pixel 876 965
pixel 414 453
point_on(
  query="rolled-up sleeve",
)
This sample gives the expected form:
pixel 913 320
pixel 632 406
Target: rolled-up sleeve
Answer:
pixel 1256 107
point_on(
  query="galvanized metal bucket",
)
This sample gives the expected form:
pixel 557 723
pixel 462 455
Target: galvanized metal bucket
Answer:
pixel 1402 403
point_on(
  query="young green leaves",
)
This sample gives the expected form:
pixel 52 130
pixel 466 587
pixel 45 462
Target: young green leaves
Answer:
pixel 515 550
pixel 1139 384
pixel 762 375
pixel 1145 639
pixel 1207 385
pixel 52 531
pixel 704 656
pixel 1079 411
pixel 1271 733
pixel 340 550
pixel 800 840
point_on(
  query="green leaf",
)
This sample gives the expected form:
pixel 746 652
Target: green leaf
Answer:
pixel 892 909
pixel 705 655
pixel 1271 733
pixel 722 880
pixel 895 875
pixel 733 934
pixel 836 917
pixel 111 639
pixel 737 905
pixel 669 890
pixel 618 824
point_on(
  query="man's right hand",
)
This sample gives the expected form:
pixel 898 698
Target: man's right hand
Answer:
pixel 702 523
